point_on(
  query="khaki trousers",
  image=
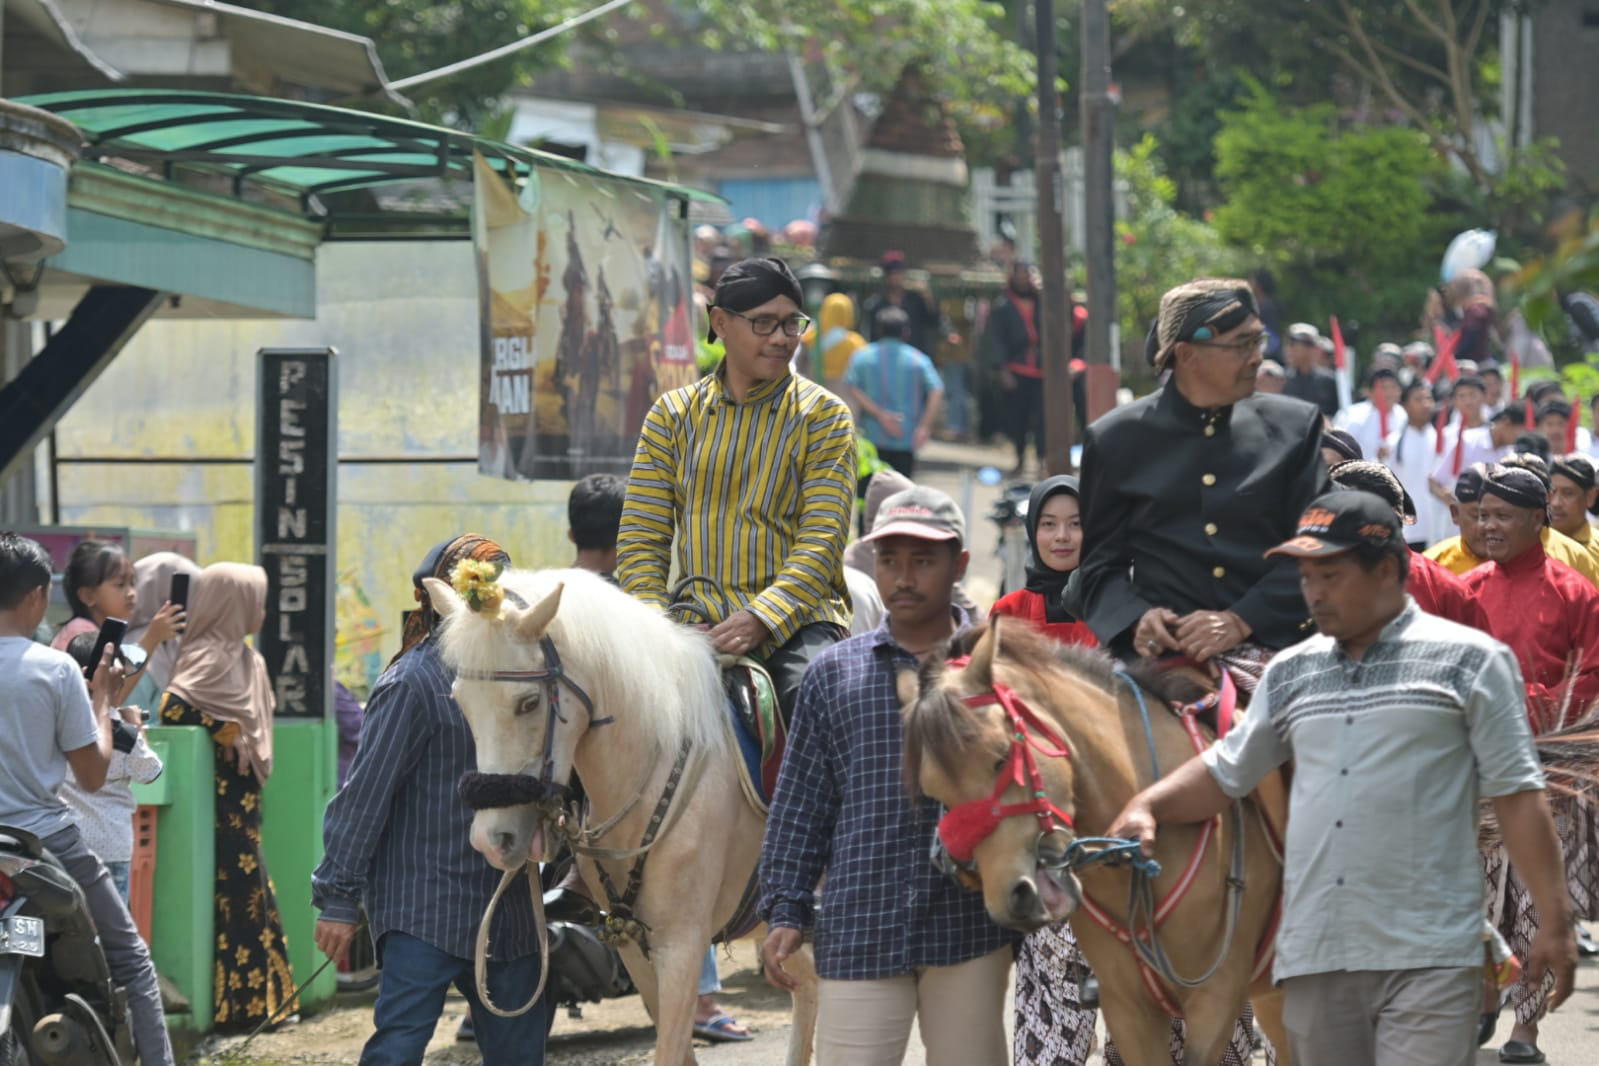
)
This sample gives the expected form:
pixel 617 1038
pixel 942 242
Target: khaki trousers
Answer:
pixel 1384 1017
pixel 961 1011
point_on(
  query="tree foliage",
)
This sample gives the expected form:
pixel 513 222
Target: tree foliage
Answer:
pixel 969 47
pixel 1344 214
pixel 1157 245
pixel 414 36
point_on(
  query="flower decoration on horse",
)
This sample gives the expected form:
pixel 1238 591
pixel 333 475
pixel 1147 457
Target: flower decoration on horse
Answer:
pixel 477 581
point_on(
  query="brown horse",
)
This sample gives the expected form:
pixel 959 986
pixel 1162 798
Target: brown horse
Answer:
pixel 1022 693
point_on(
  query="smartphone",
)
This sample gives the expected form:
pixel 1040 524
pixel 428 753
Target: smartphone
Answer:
pixel 112 630
pixel 179 596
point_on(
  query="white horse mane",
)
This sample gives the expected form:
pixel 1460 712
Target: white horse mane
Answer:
pixel 659 679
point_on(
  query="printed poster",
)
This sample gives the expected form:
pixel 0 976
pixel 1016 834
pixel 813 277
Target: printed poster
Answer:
pixel 585 287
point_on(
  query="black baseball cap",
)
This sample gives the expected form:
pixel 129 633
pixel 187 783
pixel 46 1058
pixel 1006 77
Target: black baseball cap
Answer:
pixel 1339 522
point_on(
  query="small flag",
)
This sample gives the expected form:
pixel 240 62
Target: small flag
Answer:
pixel 1341 364
pixel 1444 357
pixel 1441 423
pixel 1460 446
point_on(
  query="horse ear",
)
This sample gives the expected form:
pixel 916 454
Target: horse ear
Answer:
pixel 981 668
pixel 537 619
pixel 443 597
pixel 908 686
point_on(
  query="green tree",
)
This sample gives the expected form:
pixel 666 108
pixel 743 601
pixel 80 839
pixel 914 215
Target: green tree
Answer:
pixel 413 36
pixel 968 48
pixel 1344 214
pixel 1157 245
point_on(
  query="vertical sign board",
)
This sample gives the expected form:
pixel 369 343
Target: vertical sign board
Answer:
pixel 296 470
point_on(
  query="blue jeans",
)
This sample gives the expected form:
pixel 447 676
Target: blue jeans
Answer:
pixel 416 977
pixel 120 872
pixel 710 980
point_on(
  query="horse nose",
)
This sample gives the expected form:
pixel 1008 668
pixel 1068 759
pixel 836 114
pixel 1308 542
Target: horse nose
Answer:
pixel 1024 901
pixel 503 841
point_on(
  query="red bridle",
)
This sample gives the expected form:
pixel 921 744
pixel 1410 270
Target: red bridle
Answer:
pixel 969 824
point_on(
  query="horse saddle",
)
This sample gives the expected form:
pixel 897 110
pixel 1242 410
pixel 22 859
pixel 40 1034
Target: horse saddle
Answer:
pixel 758 722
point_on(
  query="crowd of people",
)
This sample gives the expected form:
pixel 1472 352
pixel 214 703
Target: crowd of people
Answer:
pixel 1403 586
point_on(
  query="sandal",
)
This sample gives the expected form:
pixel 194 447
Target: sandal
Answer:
pixel 722 1029
pixel 1519 1051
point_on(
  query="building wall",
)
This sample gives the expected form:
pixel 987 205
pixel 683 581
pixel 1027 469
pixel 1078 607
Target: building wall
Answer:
pixel 403 317
pixel 1566 84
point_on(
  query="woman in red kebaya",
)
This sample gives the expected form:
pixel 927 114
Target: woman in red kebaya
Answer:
pixel 1052 1025
pixel 1054 548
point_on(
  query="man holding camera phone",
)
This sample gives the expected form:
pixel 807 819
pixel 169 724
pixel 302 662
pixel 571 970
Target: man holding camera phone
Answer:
pixel 48 723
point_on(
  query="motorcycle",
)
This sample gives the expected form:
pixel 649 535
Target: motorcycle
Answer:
pixel 583 967
pixel 58 1003
pixel 1009 513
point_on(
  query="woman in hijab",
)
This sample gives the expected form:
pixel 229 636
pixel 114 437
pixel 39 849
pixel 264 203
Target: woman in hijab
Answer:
pixel 1054 548
pixel 220 684
pixel 152 584
pixel 1052 1026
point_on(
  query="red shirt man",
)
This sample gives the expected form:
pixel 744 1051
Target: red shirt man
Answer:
pixel 1544 610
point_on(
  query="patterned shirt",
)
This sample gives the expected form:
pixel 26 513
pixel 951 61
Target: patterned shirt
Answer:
pixel 1391 753
pixel 841 808
pixel 396 835
pixel 758 495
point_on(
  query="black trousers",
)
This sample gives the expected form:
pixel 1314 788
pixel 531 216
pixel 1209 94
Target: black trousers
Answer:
pixel 1025 407
pixel 903 461
pixel 787 664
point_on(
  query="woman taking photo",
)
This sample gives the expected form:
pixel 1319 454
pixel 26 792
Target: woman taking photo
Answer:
pixel 220 684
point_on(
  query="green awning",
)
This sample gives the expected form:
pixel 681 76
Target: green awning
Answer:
pixel 289 147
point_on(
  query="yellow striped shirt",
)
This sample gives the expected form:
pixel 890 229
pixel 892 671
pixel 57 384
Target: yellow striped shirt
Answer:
pixel 758 495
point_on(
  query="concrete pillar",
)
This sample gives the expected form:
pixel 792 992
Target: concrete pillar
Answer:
pixel 19 495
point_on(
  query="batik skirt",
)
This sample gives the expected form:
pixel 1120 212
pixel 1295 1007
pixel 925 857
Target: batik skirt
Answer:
pixel 251 977
pixel 1053 1028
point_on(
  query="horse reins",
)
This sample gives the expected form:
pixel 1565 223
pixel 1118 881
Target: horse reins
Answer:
pixel 490 791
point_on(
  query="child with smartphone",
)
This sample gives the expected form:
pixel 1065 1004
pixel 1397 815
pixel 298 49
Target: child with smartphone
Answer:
pixel 99 584
pixel 105 817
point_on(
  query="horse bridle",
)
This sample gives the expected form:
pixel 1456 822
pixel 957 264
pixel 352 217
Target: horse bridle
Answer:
pixel 967 825
pixel 488 791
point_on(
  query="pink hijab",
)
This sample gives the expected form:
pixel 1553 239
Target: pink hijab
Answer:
pixel 217 672
pixel 152 581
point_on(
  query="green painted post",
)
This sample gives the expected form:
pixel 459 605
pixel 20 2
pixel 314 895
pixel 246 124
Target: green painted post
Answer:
pixel 302 781
pixel 183 907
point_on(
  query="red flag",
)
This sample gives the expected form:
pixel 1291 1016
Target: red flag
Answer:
pixel 1444 355
pixel 1440 424
pixel 1340 358
pixel 1379 400
pixel 1515 374
pixel 1460 445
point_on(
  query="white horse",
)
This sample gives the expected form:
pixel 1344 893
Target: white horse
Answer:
pixel 570 672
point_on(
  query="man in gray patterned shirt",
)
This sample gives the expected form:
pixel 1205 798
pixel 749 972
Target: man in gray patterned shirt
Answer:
pixel 1397 722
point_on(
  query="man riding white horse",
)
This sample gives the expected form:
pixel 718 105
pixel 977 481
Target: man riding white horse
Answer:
pixel 752 470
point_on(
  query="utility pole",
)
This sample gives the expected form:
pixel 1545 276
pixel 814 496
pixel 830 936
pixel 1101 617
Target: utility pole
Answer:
pixel 1099 207
pixel 1054 336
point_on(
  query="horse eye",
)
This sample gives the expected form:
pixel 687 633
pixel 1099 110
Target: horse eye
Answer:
pixel 528 705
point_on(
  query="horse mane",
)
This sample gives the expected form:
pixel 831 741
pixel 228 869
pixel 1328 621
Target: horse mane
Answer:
pixel 659 678
pixel 939 725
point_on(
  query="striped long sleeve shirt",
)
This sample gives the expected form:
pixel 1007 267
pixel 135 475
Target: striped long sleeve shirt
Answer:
pixel 757 494
pixel 396 835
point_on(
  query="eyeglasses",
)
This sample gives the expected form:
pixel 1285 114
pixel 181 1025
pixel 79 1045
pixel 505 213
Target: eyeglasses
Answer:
pixel 766 325
pixel 1242 346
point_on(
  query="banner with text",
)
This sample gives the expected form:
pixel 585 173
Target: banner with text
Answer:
pixel 584 290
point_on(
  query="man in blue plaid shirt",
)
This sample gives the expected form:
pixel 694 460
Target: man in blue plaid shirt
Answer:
pixel 895 939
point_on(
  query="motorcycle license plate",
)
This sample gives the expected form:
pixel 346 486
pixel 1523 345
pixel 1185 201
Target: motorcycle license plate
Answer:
pixel 21 935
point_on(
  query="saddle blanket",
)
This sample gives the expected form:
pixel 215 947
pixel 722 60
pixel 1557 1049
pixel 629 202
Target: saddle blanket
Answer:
pixel 758 725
